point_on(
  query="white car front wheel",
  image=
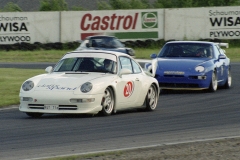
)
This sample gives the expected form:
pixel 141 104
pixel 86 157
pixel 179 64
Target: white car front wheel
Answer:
pixel 108 102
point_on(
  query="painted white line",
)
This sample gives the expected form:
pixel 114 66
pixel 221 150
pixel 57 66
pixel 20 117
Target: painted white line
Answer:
pixel 132 148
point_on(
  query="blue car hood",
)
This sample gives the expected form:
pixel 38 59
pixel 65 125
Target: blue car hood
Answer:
pixel 180 63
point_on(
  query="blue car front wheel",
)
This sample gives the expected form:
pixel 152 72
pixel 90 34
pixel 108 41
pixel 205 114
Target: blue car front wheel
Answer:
pixel 213 84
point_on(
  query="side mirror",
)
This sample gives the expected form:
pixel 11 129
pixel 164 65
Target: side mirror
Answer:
pixel 87 45
pixel 153 56
pixel 222 56
pixel 125 71
pixel 49 69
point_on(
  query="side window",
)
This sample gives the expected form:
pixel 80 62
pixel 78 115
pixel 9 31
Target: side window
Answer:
pixel 136 68
pixel 125 62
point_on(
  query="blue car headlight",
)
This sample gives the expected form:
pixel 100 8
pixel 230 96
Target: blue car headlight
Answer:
pixel 28 85
pixel 86 87
pixel 199 69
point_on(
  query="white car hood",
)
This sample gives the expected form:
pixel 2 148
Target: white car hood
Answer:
pixel 65 82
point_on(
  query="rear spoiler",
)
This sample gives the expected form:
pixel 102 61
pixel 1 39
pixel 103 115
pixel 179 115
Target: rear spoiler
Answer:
pixel 223 44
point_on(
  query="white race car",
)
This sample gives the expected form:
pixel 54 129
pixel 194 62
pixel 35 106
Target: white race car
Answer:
pixel 89 82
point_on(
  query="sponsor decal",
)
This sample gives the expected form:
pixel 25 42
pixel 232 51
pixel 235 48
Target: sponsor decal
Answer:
pixel 149 20
pixel 56 87
pixel 224 24
pixel 128 89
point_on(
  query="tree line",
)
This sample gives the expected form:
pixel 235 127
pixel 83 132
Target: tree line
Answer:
pixel 61 5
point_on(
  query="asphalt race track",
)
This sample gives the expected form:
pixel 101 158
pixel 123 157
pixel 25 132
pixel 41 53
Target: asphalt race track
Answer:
pixel 180 116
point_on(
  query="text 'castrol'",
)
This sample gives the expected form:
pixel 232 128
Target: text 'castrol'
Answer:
pixel 113 22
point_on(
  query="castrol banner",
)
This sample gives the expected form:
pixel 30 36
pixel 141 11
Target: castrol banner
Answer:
pixel 124 24
pixel 17 27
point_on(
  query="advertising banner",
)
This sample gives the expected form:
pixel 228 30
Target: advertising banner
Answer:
pixel 124 24
pixel 202 23
pixel 17 27
pixel 167 24
pixel 224 22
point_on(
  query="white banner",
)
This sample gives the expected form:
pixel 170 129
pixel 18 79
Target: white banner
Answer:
pixel 124 24
pixel 202 23
pixel 30 27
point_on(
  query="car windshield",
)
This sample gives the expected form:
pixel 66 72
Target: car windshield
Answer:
pixel 87 64
pixel 199 50
pixel 105 42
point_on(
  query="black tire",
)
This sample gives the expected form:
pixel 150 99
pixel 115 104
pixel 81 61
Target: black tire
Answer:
pixel 151 98
pixel 228 83
pixel 34 115
pixel 213 84
pixel 108 102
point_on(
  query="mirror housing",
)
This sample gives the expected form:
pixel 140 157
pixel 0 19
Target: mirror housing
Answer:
pixel 222 56
pixel 87 45
pixel 125 71
pixel 153 56
pixel 49 69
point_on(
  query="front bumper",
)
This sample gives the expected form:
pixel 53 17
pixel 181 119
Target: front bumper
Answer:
pixel 55 102
pixel 185 82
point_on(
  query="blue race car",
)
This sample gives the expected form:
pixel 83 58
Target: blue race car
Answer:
pixel 191 65
pixel 103 42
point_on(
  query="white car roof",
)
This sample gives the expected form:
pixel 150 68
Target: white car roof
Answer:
pixel 92 53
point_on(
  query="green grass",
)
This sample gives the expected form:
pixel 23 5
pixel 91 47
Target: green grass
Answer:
pixel 10 82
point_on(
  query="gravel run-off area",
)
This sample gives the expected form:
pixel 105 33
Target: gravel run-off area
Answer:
pixel 218 149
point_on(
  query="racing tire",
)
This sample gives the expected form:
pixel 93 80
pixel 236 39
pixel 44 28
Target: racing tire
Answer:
pixel 34 115
pixel 151 98
pixel 228 83
pixel 213 84
pixel 108 102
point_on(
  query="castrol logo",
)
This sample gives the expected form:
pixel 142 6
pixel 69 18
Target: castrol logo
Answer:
pixel 108 22
pixel 128 89
pixel 149 20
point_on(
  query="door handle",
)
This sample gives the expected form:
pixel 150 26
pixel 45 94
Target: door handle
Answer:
pixel 136 79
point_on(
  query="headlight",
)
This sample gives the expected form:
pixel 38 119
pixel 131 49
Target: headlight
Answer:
pixel 86 87
pixel 28 85
pixel 199 69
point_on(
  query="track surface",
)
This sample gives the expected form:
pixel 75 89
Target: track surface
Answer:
pixel 180 116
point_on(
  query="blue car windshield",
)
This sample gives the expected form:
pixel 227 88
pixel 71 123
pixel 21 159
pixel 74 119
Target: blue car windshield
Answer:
pixel 198 50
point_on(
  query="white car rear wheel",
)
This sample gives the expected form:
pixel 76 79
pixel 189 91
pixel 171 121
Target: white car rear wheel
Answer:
pixel 108 102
